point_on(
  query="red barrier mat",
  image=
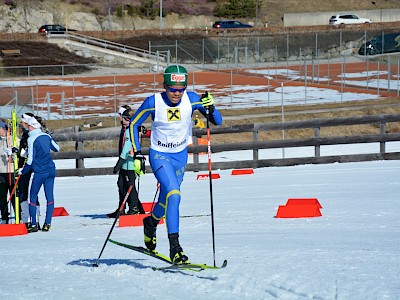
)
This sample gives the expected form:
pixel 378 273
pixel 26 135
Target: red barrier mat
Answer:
pixel 303 201
pixel 60 212
pixel 147 206
pixel 207 176
pixel 133 220
pixel 242 172
pixel 12 229
pixel 298 211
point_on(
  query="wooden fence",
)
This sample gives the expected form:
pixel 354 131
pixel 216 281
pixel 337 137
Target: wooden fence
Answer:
pixel 255 145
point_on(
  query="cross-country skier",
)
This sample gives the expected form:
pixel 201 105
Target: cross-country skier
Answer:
pixel 171 133
pixel 40 162
pixel 24 180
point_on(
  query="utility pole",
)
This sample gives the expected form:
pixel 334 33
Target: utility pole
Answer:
pixel 161 17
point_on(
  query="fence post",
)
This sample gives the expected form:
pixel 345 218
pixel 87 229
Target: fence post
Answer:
pixel 255 140
pixel 79 164
pixel 382 134
pixel 389 73
pixel 317 135
pixel 195 155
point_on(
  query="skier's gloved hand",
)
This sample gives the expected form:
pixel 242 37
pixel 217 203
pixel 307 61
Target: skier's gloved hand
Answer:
pixel 20 171
pixel 207 99
pixel 142 129
pixel 138 155
pixel 139 166
pixel 23 153
pixel 118 166
pixel 8 151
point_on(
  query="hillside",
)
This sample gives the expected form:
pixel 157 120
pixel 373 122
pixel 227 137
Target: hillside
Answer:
pixel 59 11
pixel 62 11
pixel 273 10
pixel 42 54
pixel 270 11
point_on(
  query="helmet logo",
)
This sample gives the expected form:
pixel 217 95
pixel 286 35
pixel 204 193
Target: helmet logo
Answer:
pixel 178 77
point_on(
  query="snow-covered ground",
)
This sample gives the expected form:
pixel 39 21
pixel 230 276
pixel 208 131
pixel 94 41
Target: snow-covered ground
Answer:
pixel 351 252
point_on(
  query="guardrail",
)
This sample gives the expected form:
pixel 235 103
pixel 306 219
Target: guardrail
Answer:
pixel 382 137
pixel 109 45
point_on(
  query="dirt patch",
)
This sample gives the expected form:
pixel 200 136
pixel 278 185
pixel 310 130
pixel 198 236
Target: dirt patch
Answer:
pixel 48 56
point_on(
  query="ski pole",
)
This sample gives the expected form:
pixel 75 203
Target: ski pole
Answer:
pixel 155 195
pixel 13 190
pixel 138 185
pixel 210 177
pixel 96 264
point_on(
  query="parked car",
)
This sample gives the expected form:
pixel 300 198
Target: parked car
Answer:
pixel 386 43
pixel 347 19
pixel 230 24
pixel 54 29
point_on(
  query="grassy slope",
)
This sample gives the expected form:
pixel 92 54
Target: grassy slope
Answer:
pixel 43 54
pixel 271 11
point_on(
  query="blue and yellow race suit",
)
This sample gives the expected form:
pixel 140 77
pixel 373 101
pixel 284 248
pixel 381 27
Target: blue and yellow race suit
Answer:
pixel 171 133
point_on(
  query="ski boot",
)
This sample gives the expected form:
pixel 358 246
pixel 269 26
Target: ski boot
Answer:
pixel 33 228
pixel 149 228
pixel 141 209
pixel 175 250
pixel 114 214
pixel 46 227
pixel 133 211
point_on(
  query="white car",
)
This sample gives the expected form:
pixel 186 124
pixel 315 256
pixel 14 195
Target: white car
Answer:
pixel 347 19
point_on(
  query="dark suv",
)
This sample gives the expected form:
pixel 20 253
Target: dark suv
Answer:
pixel 230 24
pixel 54 29
pixel 380 44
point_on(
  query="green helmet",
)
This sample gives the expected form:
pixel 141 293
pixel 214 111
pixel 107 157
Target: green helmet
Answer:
pixel 175 75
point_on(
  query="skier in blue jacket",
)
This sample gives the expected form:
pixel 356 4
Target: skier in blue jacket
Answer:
pixel 40 162
pixel 171 133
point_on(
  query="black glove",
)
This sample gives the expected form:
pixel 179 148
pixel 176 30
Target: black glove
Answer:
pixel 138 155
pixel 118 166
pixel 143 130
pixel 14 149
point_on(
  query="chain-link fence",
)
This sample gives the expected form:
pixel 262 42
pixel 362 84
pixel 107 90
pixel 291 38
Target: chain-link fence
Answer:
pixel 250 51
pixel 20 98
pixel 229 64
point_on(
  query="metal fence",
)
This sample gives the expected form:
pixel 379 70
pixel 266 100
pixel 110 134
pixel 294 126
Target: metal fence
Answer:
pixel 16 97
pixel 86 97
pixel 249 51
pixel 278 61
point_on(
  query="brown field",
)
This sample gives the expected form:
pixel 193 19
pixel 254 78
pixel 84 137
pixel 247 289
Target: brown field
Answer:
pixel 103 101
